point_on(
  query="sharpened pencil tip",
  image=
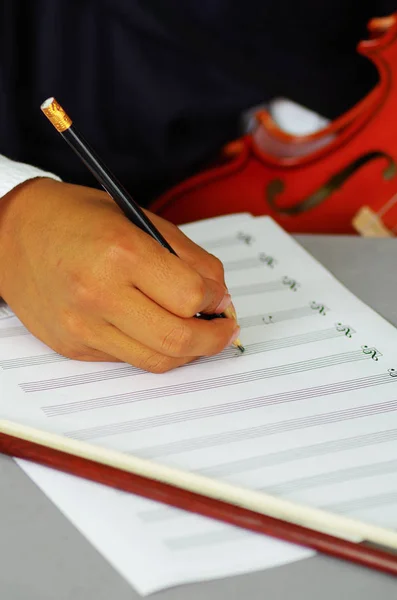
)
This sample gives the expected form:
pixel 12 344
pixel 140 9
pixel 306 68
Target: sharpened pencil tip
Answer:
pixel 230 313
pixel 238 344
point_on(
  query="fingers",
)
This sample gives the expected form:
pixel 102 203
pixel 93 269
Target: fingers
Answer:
pixel 89 338
pixel 200 260
pixel 122 348
pixel 140 319
pixel 169 281
pixel 87 354
pixel 204 263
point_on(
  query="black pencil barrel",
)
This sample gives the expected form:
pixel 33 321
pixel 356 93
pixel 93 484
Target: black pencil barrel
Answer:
pixel 112 186
pixel 134 213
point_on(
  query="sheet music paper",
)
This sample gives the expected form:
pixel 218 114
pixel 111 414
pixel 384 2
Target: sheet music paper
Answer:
pixel 308 413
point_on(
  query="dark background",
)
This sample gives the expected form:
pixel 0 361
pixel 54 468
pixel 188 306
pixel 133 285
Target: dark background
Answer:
pixel 154 101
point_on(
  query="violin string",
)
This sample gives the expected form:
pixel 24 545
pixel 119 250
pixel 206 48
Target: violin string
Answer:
pixel 386 208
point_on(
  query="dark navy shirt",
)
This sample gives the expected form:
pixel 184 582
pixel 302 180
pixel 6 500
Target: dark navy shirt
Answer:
pixel 156 100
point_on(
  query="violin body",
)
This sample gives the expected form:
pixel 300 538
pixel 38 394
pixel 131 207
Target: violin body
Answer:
pixel 313 183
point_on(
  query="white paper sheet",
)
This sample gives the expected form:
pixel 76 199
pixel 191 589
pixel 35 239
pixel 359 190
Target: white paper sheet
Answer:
pixel 309 413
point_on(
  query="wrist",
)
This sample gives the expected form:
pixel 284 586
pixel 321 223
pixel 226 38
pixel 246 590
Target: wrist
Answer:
pixel 11 219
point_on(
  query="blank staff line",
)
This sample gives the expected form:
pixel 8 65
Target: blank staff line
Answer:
pixel 359 472
pixel 129 371
pixel 277 316
pixel 274 459
pixel 300 453
pixel 204 412
pixel 276 344
pixel 363 503
pixel 13 331
pixel 197 540
pixel 81 379
pixel 230 240
pixel 204 384
pixel 261 260
pixel 32 361
pixel 242 264
pixel 249 433
pixel 259 288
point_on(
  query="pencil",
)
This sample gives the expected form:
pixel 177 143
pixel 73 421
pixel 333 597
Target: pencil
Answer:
pixel 64 125
pixel 335 535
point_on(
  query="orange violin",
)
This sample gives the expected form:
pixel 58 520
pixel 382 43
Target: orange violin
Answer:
pixel 313 183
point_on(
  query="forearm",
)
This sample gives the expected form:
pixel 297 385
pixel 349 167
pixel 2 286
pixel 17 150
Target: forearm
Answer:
pixel 13 175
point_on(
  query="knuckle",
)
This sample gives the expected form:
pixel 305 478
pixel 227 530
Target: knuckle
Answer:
pixel 78 354
pixel 72 326
pixel 177 342
pixel 172 229
pixel 156 363
pixel 81 352
pixel 113 253
pixel 194 300
pixel 73 352
pixel 83 292
pixel 116 248
pixel 215 268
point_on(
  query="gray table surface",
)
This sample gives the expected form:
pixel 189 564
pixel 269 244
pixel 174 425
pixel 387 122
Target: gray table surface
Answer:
pixel 43 557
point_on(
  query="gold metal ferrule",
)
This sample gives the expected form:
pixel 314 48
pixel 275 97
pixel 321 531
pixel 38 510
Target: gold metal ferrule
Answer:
pixel 56 115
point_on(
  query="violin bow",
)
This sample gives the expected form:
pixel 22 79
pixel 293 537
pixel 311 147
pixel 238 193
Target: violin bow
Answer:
pixel 328 533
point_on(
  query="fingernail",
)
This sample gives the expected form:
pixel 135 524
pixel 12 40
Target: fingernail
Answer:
pixel 225 302
pixel 235 335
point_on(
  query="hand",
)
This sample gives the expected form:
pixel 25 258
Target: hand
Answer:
pixel 94 287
